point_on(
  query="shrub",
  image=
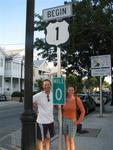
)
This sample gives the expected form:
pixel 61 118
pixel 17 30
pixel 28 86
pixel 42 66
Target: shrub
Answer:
pixel 17 94
pixel 34 92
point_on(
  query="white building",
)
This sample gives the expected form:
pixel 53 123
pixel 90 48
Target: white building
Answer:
pixel 2 70
pixel 40 71
pixel 12 71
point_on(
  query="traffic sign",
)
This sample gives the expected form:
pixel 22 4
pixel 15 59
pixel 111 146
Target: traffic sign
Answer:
pixel 57 33
pixel 59 90
pixel 101 65
pixel 57 12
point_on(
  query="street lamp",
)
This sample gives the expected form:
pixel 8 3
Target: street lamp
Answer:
pixel 112 79
pixel 28 118
pixel 21 78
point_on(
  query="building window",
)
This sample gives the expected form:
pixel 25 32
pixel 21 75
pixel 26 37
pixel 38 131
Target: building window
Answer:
pixel 1 62
pixel 40 72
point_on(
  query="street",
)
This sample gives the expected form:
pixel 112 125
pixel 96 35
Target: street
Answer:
pixel 10 119
pixel 99 129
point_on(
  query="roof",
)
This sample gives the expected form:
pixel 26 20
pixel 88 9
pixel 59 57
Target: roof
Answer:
pixel 42 64
pixel 38 62
pixel 3 51
pixel 12 53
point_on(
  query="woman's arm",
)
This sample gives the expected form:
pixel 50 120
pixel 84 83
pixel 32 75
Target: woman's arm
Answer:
pixel 81 109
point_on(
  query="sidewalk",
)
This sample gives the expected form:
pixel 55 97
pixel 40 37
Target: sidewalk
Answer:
pixel 100 132
pixel 99 136
pixel 8 103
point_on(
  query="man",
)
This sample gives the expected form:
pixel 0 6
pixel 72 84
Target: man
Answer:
pixel 45 125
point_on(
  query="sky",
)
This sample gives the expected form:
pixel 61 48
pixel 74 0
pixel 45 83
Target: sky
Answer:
pixel 13 20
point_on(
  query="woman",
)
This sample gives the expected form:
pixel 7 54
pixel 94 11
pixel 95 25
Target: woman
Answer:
pixel 70 120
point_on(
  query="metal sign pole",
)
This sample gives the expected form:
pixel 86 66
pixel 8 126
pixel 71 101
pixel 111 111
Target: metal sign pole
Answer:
pixel 101 106
pixel 59 107
pixel 58 61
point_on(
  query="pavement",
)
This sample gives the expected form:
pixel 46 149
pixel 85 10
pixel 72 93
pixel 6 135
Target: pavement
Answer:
pixel 99 135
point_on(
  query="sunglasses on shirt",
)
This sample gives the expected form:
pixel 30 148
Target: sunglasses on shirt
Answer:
pixel 48 98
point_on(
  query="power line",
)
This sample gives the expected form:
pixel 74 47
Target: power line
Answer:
pixel 13 44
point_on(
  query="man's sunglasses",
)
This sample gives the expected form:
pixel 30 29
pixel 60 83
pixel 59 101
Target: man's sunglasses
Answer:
pixel 48 98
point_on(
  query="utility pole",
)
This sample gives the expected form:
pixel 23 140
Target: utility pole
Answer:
pixel 21 79
pixel 28 118
pixel 112 79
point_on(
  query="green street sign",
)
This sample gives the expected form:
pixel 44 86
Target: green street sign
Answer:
pixel 59 91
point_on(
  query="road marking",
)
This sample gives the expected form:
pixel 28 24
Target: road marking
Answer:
pixel 16 146
pixel 1 148
pixel 4 137
pixel 12 134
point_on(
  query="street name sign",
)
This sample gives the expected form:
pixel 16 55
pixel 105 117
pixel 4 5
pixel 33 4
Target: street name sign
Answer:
pixel 57 33
pixel 59 91
pixel 101 65
pixel 57 12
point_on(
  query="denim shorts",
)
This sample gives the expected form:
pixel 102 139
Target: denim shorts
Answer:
pixel 69 127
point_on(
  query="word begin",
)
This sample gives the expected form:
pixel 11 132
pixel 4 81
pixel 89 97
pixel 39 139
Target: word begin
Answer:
pixel 56 12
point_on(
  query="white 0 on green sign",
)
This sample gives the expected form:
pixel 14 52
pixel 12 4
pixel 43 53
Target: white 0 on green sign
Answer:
pixel 59 91
pixel 58 94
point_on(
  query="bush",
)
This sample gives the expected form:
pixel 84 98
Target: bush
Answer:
pixel 17 94
pixel 34 92
pixel 3 97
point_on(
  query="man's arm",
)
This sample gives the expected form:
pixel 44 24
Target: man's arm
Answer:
pixel 35 104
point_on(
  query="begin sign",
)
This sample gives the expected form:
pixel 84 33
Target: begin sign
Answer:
pixel 58 90
pixel 57 12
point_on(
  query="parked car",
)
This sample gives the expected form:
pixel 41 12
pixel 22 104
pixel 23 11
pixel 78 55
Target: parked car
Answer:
pixel 88 102
pixel 3 97
pixel 96 98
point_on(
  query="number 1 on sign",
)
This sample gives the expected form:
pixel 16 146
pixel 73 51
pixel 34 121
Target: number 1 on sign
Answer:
pixel 57 33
